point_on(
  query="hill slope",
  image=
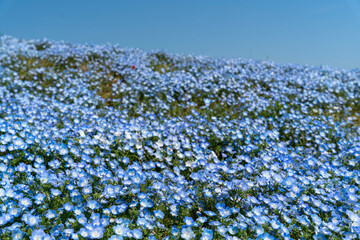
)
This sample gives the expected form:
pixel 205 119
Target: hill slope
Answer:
pixel 99 142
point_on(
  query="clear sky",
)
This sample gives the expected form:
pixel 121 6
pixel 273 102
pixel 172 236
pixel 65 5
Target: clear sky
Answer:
pixel 312 32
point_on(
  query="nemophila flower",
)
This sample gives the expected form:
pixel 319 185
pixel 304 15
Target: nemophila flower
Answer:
pixel 207 193
pixel 136 188
pixel 267 236
pixel 150 225
pixel 113 210
pixel 259 230
pixel 138 178
pixel 333 227
pixel 81 219
pixel 355 218
pixel 286 218
pixel 159 214
pixel 63 150
pixel 210 213
pixel 175 231
pixel 316 219
pixel 202 219
pixel 275 224
pixel 22 167
pixel 189 221
pixel 207 234
pixel 95 216
pixel 160 225
pixel 174 209
pixel 68 207
pixel 13 212
pixel 137 234
pixel 96 233
pixel 17 234
pixel 225 212
pixel 222 230
pixel 39 198
pixel 3 148
pixel 232 229
pixel 96 222
pixel 257 211
pixel 187 233
pixel 304 220
pixel 319 236
pixel 25 202
pixel 122 208
pixel 104 221
pixel 116 237
pixel 55 192
pixel 19 143
pixel 84 232
pixel 57 230
pixel 141 221
pixel 87 190
pixel 92 204
pixel 68 232
pixel 3 221
pixel 352 198
pixel 77 199
pixel 31 220
pixel 38 234
pixel 110 191
pixel 120 230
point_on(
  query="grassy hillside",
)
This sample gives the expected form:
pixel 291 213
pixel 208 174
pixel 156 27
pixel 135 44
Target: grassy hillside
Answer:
pixel 99 142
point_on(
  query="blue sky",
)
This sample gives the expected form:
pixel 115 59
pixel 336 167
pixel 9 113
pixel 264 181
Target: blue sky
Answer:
pixel 307 32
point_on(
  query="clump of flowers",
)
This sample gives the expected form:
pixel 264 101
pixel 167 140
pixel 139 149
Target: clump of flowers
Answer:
pixel 98 142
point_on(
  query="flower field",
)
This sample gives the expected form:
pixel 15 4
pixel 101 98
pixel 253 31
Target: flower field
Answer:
pixel 100 142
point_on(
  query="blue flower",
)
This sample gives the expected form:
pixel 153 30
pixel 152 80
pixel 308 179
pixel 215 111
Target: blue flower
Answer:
pixel 37 234
pixel 189 221
pixel 232 229
pixel 207 234
pixel 175 231
pixel 31 220
pixel 96 233
pixel 187 233
pixel 25 202
pixel 137 234
pixel 116 237
pixel 55 192
pixel 92 204
pixel 267 236
pixel 120 230
pixel 110 190
pixel 202 219
pixel 50 214
pixel 17 234
pixel 159 214
pixel 68 207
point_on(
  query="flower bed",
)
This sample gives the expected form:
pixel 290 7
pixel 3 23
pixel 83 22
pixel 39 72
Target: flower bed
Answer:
pixel 99 142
